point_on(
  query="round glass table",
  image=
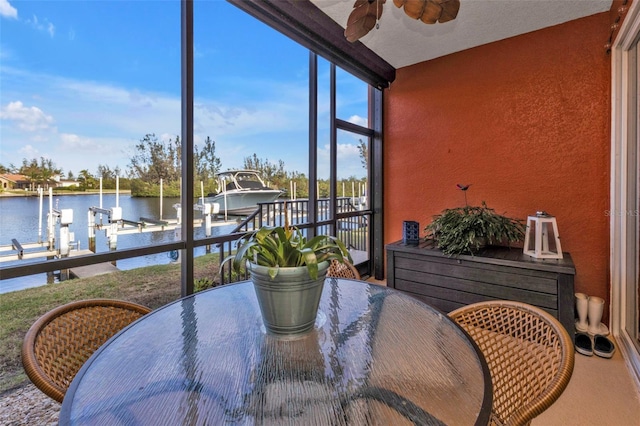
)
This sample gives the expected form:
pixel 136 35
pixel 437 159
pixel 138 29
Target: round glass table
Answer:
pixel 375 356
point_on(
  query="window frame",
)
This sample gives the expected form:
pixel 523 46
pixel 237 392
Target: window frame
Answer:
pixel 625 183
pixel 353 58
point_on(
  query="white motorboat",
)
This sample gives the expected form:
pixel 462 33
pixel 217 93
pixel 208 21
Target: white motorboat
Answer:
pixel 240 191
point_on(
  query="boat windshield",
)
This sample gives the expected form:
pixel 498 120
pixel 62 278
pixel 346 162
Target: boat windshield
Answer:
pixel 246 180
pixel 248 177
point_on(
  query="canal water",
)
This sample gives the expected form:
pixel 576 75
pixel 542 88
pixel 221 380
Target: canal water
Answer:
pixel 19 220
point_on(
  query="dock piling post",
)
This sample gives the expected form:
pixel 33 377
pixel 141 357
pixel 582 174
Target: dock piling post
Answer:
pixel 66 219
pixel 40 196
pixel 112 231
pixel 91 230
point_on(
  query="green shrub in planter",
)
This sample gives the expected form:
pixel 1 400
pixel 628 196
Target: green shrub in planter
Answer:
pixel 465 230
pixel 286 247
pixel 288 272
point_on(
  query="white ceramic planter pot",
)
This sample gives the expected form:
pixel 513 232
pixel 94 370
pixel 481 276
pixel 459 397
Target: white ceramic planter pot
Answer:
pixel 289 302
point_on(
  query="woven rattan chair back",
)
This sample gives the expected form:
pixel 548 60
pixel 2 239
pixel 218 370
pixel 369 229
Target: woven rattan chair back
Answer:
pixel 343 270
pixel 60 342
pixel 529 353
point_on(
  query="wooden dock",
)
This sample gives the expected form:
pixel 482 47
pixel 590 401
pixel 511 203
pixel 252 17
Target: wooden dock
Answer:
pixel 90 270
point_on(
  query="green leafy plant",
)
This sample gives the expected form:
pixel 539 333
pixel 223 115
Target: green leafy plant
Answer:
pixel 203 284
pixel 467 229
pixel 285 246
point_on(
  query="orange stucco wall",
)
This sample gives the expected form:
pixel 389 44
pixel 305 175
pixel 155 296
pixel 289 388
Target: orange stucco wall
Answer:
pixel 525 121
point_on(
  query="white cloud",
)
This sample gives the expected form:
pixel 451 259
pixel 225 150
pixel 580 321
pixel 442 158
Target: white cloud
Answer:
pixel 76 152
pixel 252 118
pixel 95 109
pixel 30 119
pixel 5 52
pixel 347 150
pixel 70 141
pixel 100 123
pixel 167 137
pixel 29 152
pixel 349 162
pixel 142 100
pixel 42 26
pixel 8 11
pixel 356 119
pixel 117 117
pixel 39 138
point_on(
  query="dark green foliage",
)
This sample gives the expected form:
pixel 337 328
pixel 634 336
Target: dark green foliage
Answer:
pixel 109 177
pixel 145 189
pixel 270 172
pixel 87 180
pixel 206 166
pixel 39 173
pixel 286 246
pixel 464 230
pixel 363 149
pixel 154 160
pixel 200 284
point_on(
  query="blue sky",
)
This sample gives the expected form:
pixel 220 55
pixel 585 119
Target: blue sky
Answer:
pixel 82 81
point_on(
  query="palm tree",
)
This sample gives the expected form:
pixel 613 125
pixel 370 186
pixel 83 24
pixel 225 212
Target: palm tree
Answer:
pixel 86 180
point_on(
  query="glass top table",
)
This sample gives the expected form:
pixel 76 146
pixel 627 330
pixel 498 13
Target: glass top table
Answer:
pixel 375 356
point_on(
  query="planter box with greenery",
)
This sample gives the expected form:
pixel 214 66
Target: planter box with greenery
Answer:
pixel 465 230
pixel 468 274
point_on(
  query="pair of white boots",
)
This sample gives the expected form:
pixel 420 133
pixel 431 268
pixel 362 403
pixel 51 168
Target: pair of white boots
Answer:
pixel 591 337
pixel 590 310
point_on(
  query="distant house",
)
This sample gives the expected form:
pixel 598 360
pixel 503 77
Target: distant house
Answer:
pixel 14 181
pixel 10 181
pixel 63 183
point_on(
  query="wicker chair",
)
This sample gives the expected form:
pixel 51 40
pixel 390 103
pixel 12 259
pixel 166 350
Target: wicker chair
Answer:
pixel 60 342
pixel 343 270
pixel 530 356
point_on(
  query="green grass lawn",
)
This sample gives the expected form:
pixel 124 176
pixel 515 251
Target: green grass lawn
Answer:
pixel 152 286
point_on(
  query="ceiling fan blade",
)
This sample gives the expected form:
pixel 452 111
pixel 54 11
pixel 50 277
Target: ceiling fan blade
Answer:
pixel 450 10
pixel 431 12
pixel 363 18
pixel 399 3
pixel 413 8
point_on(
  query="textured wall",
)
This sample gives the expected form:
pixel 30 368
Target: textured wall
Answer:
pixel 526 121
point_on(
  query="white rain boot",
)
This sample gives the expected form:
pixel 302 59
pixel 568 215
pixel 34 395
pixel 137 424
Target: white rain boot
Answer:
pixel 596 306
pixel 582 306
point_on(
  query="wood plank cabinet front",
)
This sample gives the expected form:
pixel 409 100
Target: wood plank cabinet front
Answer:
pixel 448 283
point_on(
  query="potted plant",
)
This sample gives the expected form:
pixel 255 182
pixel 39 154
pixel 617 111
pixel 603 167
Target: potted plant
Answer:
pixel 465 230
pixel 288 272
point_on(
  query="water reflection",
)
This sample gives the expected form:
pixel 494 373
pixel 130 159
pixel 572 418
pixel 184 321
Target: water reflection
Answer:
pixel 189 361
pixel 19 219
pixel 379 357
pixel 298 379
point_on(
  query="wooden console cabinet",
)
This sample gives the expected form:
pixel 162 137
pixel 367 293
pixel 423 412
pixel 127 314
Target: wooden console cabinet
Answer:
pixel 448 283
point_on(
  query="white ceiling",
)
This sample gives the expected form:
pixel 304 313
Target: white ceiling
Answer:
pixel 402 41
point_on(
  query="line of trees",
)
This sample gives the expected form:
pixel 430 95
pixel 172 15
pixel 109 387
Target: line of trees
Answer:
pixel 39 172
pixel 156 161
pixel 43 173
pixel 277 177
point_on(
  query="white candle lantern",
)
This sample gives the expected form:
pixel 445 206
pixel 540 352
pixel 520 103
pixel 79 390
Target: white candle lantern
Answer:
pixel 541 238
